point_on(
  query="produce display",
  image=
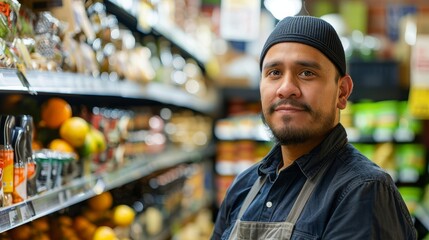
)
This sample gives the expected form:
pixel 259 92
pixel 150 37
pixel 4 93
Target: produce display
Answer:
pixel 132 212
pixel 100 220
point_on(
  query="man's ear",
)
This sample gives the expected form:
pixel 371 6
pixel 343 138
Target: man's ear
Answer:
pixel 345 84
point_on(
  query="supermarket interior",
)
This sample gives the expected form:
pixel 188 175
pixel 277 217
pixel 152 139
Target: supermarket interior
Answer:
pixel 129 119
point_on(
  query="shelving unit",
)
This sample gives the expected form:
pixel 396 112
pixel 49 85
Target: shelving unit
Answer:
pixel 87 187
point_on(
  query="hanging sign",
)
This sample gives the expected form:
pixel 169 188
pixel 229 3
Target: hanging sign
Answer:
pixel 239 19
pixel 419 68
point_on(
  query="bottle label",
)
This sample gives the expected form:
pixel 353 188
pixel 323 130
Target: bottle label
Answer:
pixel 7 156
pixel 20 182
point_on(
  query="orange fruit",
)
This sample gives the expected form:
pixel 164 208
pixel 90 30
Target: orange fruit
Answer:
pixel 61 146
pixel 74 131
pixel 36 145
pixel 123 215
pixel 41 224
pixel 101 202
pixel 22 232
pixel 54 112
pixel 80 223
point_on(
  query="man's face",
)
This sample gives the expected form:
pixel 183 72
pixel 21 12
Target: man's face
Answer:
pixel 299 93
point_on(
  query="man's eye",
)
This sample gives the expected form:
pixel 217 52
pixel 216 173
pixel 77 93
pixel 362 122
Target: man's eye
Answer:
pixel 307 74
pixel 274 73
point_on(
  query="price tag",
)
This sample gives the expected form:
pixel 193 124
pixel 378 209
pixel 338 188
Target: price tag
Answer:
pixel 4 219
pixel 61 197
pixel 68 193
pixel 27 211
pixel 14 217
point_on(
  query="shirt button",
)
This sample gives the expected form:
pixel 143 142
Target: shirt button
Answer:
pixel 269 204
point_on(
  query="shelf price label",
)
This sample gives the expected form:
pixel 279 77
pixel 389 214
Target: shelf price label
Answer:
pixel 4 220
pixel 9 218
pixel 27 211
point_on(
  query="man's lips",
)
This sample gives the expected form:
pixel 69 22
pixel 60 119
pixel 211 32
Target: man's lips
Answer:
pixel 288 108
pixel 288 105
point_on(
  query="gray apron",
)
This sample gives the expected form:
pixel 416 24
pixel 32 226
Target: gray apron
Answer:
pixel 248 230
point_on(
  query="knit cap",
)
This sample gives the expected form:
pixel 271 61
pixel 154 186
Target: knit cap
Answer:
pixel 311 31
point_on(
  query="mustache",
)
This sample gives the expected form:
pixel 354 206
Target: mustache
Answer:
pixel 291 102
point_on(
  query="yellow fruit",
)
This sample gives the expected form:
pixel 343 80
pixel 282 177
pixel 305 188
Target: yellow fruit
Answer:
pixel 123 215
pixel 99 139
pixel 95 142
pixel 54 112
pixel 104 233
pixel 74 131
pixel 154 219
pixel 101 202
pixel 61 146
pixel 89 147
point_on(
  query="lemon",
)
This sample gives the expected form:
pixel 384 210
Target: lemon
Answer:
pixel 74 131
pixel 99 139
pixel 104 233
pixel 89 146
pixel 95 142
pixel 123 215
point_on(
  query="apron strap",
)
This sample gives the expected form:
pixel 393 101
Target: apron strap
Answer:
pixel 305 193
pixel 251 195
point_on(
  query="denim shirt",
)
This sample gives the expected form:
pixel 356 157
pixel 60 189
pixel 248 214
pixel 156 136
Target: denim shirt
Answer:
pixel 355 199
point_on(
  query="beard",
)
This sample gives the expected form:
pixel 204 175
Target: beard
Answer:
pixel 285 133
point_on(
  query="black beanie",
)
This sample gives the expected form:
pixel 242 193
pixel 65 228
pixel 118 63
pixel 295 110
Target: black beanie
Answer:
pixel 311 31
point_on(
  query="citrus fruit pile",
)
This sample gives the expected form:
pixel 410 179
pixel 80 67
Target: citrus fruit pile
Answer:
pixel 100 220
pixel 67 133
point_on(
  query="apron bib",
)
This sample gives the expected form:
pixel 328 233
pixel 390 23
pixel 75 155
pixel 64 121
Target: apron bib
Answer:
pixel 249 230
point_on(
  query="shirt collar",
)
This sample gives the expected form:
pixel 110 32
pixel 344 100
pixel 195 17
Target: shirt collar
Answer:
pixel 309 163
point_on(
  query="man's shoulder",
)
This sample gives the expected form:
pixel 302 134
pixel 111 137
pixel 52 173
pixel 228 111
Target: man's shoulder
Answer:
pixel 356 166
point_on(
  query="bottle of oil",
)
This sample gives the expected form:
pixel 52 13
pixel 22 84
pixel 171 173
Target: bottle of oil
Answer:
pixel 26 122
pixel 20 165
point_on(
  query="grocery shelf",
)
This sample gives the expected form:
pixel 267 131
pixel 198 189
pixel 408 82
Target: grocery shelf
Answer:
pixel 89 186
pixel 79 84
pixel 173 34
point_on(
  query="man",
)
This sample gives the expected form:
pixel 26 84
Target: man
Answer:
pixel 313 184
